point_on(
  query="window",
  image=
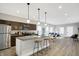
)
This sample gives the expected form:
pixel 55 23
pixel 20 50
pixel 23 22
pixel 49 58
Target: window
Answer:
pixel 69 30
pixel 51 29
pixel 61 30
pixel 46 31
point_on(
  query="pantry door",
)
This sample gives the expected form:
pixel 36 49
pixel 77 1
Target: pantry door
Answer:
pixel 69 31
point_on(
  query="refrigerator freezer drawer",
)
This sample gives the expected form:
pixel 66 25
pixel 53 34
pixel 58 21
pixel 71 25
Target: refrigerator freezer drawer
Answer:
pixel 4 41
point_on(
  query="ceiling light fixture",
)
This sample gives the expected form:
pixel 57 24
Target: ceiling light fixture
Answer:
pixel 45 19
pixel 60 7
pixel 18 11
pixel 38 16
pixel 28 20
pixel 38 23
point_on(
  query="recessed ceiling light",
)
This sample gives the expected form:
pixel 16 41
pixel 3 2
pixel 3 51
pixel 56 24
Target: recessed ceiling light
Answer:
pixel 60 7
pixel 38 23
pixel 17 11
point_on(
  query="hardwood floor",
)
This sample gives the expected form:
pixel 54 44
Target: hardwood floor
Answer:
pixel 64 47
pixel 8 52
pixel 59 47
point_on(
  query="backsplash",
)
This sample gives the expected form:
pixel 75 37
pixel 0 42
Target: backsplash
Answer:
pixel 22 31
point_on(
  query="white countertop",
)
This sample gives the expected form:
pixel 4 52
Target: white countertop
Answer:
pixel 32 37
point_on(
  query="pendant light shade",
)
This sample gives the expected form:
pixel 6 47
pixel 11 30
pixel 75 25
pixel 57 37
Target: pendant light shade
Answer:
pixel 38 23
pixel 28 20
pixel 45 19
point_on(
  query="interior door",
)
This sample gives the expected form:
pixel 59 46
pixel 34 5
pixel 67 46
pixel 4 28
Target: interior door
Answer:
pixel 69 30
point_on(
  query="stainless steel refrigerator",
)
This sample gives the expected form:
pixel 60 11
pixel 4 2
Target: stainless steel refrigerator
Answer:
pixel 5 36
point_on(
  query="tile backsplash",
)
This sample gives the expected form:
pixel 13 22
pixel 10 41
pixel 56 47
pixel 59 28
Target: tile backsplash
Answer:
pixel 23 31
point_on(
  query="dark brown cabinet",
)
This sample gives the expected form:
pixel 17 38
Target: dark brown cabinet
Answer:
pixel 29 27
pixel 18 26
pixel 13 41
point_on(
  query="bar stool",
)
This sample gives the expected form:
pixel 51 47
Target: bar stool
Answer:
pixel 46 44
pixel 37 45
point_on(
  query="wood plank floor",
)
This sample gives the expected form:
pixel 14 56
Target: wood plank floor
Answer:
pixel 64 47
pixel 8 52
pixel 59 47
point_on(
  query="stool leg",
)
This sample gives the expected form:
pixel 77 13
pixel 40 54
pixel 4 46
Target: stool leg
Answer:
pixel 45 43
pixel 41 48
pixel 34 48
pixel 46 49
pixel 37 48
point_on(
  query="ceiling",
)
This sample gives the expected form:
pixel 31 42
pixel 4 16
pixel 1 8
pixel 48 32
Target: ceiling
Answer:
pixel 57 13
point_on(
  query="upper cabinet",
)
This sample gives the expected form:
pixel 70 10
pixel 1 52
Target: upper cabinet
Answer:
pixel 23 26
pixel 29 27
pixel 19 26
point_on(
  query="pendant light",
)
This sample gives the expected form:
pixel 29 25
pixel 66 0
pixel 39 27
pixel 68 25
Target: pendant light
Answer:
pixel 45 19
pixel 38 16
pixel 28 20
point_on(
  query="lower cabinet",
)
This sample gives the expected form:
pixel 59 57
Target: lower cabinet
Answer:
pixel 13 41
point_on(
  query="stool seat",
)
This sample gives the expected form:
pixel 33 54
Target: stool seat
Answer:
pixel 46 39
pixel 39 40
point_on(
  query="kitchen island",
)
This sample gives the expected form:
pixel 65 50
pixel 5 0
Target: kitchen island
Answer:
pixel 25 44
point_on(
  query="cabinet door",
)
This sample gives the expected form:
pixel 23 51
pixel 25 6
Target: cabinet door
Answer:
pixel 15 26
pixel 13 41
pixel 29 27
pixel 32 27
